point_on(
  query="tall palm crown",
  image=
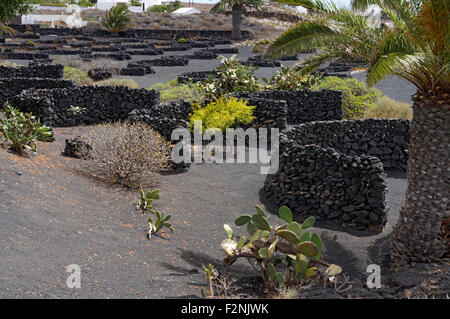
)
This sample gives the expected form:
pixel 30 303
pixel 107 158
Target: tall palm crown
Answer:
pixel 117 19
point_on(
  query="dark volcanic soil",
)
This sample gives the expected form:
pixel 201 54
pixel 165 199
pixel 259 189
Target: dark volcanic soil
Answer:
pixel 53 216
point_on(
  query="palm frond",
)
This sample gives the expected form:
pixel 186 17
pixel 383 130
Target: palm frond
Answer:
pixel 305 35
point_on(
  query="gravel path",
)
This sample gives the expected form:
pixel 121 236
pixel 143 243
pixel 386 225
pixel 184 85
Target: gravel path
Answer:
pixel 53 217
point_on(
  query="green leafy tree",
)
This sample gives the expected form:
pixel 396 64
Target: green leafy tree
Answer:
pixel 237 8
pixel 117 19
pixel 9 9
pixel 414 46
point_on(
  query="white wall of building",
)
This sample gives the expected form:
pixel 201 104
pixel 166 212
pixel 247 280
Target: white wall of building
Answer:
pixel 72 21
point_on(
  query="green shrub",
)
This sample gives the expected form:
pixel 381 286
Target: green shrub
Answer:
pixel 85 3
pixel 135 3
pixel 117 19
pixel 288 79
pixel 232 76
pixel 21 130
pixel 285 255
pixel 356 98
pixel 222 114
pixel 173 90
pixel 164 8
pixel 182 41
pixel 78 76
pixel 386 108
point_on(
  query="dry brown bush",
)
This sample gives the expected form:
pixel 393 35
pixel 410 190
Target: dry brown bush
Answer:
pixel 124 153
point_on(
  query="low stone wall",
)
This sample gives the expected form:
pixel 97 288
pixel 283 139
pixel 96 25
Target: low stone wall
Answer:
pixel 50 71
pixel 102 104
pixel 334 170
pixel 386 139
pixel 343 190
pixel 165 117
pixel 304 106
pixel 133 33
pixel 11 87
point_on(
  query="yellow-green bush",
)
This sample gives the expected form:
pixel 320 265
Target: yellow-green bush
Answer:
pixel 222 113
pixel 356 97
pixel 129 83
pixel 386 108
pixel 78 76
pixel 173 90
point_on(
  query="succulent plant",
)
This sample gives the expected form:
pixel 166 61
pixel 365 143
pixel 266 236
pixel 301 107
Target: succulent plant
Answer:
pixel 145 205
pixel 269 249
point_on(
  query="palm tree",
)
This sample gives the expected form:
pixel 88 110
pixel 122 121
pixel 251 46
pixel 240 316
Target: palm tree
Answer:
pixel 415 47
pixel 117 19
pixel 237 7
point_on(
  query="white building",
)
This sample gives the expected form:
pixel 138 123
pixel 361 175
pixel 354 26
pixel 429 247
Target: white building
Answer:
pixel 71 17
pixel 108 4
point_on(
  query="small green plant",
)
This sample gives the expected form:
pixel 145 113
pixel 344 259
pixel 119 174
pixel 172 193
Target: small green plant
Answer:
pixel 182 41
pixel 290 80
pixel 232 76
pixel 22 130
pixel 285 255
pixel 145 205
pixel 76 110
pixel 222 114
pixel 117 19
pixel 356 97
pixel 30 42
pixel 211 274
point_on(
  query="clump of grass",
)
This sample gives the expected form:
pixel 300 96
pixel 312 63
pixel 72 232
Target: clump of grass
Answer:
pixel 387 108
pixel 78 76
pixel 9 64
pixel 173 90
pixel 129 83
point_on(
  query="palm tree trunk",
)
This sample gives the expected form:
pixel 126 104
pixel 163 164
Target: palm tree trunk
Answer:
pixel 236 15
pixel 416 237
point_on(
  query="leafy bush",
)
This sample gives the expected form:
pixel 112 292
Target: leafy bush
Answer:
pixel 222 114
pixel 145 205
pixel 85 3
pixel 173 90
pixel 117 19
pixel 285 255
pixel 124 153
pixel 356 97
pixel 232 76
pixel 78 76
pixel 165 8
pixel 288 79
pixel 386 108
pixel 182 41
pixel 21 130
pixel 135 3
